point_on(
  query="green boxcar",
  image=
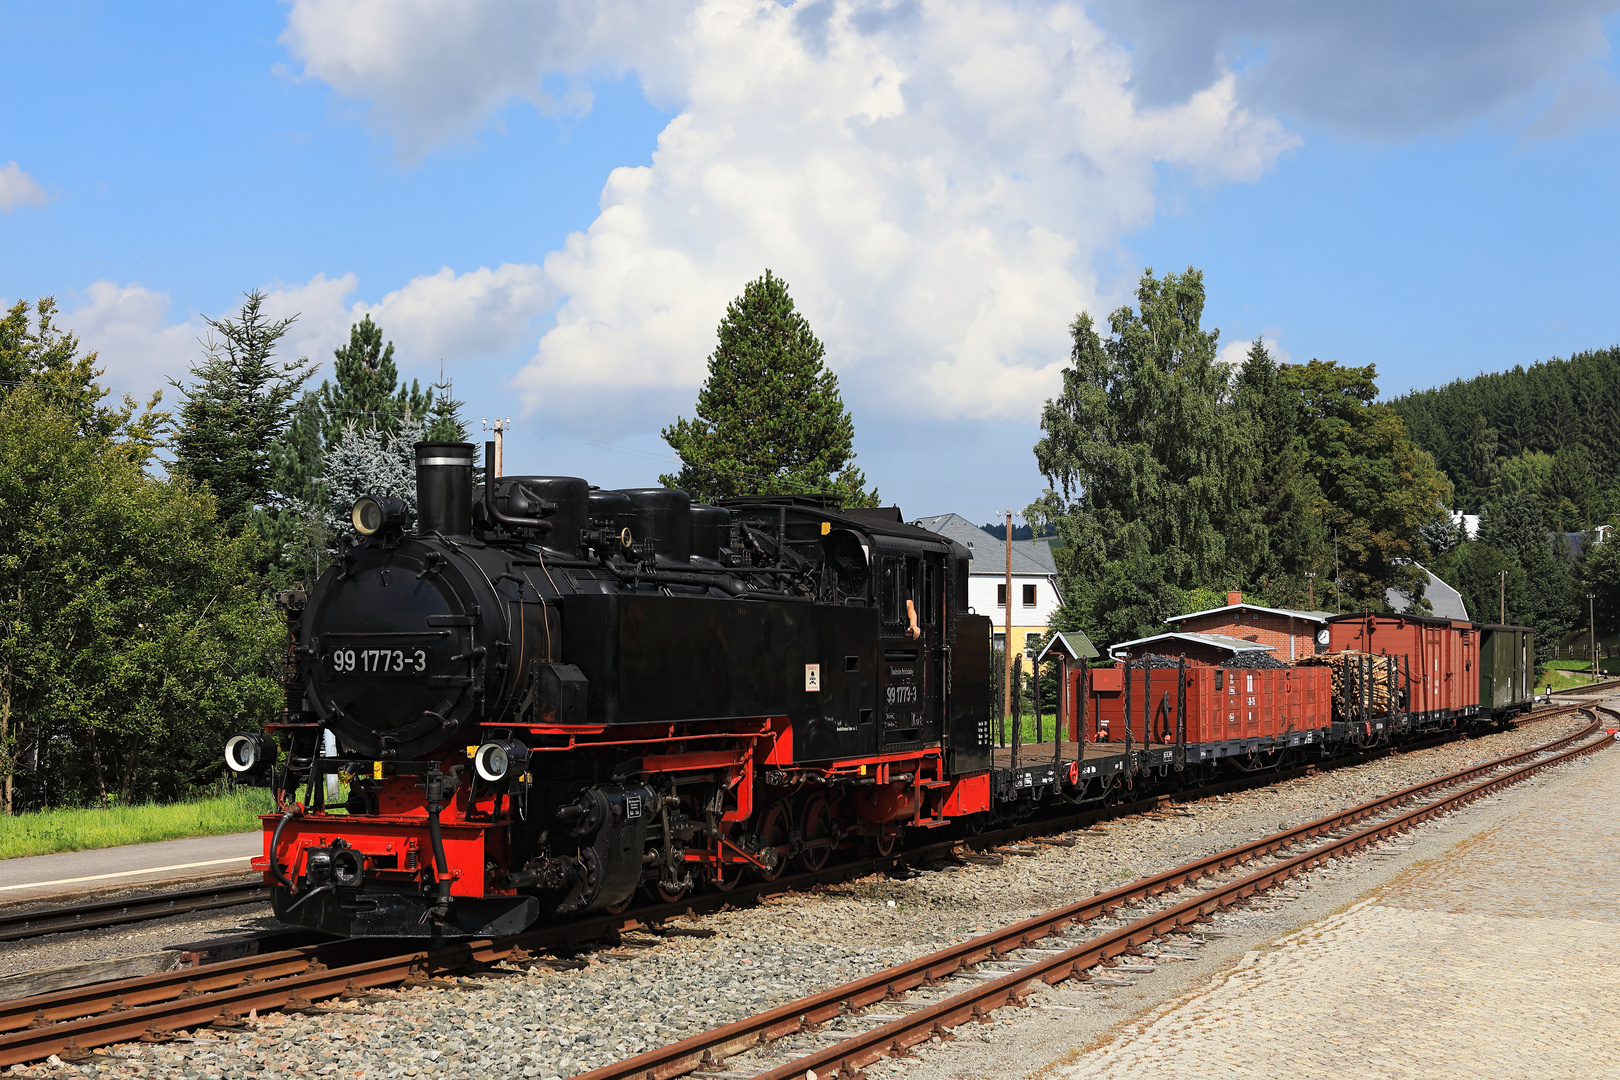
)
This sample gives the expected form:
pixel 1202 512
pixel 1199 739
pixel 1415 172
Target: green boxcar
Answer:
pixel 1507 668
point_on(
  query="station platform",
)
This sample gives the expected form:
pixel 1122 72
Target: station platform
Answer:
pixel 1496 956
pixel 69 873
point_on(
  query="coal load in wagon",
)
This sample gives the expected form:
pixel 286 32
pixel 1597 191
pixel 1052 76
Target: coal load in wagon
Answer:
pixel 1158 660
pixel 1253 658
pixel 1365 674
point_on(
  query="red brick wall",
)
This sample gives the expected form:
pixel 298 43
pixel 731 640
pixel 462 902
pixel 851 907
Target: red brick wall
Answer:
pixel 1279 631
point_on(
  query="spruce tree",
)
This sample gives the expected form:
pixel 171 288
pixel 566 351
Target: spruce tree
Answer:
pixel 444 423
pixel 769 417
pixel 235 409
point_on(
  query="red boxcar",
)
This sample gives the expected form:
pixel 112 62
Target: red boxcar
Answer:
pixel 1440 657
pixel 1222 704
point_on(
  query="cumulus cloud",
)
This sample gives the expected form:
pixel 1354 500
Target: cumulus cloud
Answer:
pixel 1379 68
pixel 935 180
pixel 17 188
pixel 435 68
pixel 449 316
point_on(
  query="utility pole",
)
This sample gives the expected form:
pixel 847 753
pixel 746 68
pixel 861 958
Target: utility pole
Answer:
pixel 1006 653
pixel 500 427
pixel 1591 625
pixel 1502 617
pixel 1310 581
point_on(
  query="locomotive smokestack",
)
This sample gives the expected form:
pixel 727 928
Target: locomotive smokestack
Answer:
pixel 444 475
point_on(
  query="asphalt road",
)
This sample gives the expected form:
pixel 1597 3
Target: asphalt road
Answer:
pixel 85 871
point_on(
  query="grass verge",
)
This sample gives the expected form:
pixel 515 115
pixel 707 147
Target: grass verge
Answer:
pixel 96 827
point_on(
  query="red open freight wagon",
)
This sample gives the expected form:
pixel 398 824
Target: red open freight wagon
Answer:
pixel 1219 712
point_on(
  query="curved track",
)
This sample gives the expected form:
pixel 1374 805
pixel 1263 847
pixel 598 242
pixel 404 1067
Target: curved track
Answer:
pixel 70 1022
pixel 1053 963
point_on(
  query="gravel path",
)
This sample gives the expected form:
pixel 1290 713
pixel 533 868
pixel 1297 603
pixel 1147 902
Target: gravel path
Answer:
pixel 654 990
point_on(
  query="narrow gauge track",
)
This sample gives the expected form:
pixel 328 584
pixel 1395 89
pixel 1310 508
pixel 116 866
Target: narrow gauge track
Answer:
pixel 99 914
pixel 69 1023
pixel 1055 957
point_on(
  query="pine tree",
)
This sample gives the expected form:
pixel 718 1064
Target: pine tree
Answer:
pixel 364 393
pixel 365 389
pixel 235 410
pixel 769 417
pixel 444 423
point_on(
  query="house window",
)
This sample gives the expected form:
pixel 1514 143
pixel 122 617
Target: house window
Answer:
pixel 1001 596
pixel 1029 596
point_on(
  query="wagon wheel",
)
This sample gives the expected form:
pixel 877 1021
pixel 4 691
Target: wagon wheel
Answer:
pixel 773 840
pixel 817 829
pixel 884 843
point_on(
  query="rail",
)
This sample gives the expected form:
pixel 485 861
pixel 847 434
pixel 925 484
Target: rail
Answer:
pixel 844 1058
pixel 69 1023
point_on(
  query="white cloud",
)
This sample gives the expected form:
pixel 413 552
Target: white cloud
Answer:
pixel 934 189
pixel 470 316
pixel 935 180
pixel 1379 68
pixel 17 188
pixel 435 68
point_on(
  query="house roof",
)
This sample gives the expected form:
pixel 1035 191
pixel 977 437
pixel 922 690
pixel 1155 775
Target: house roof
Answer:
pixel 1216 641
pixel 1070 643
pixel 1308 616
pixel 1031 558
pixel 1444 601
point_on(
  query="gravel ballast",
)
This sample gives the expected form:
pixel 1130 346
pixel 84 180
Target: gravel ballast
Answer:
pixel 653 989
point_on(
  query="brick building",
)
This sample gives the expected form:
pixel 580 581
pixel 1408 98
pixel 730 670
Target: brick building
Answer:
pixel 1291 634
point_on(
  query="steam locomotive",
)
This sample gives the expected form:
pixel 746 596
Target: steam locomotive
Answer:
pixel 544 697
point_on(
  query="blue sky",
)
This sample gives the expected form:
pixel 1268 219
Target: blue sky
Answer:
pixel 1423 186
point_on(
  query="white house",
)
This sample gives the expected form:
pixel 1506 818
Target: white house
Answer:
pixel 1034 578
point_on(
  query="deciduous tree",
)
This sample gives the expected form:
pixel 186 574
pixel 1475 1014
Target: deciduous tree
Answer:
pixel 1151 470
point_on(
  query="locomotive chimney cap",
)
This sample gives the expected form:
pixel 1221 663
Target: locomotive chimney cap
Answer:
pixel 445 453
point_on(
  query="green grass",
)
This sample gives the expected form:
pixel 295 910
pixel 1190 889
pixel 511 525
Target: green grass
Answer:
pixel 1607 665
pixel 996 728
pixel 82 830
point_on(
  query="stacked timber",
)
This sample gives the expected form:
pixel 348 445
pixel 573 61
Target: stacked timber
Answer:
pixel 1358 673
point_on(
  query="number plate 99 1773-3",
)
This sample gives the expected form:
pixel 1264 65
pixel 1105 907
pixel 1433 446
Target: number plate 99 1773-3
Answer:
pixel 379 661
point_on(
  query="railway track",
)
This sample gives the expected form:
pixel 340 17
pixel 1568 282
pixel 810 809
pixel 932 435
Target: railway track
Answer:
pixel 99 914
pixel 70 1023
pixel 1050 954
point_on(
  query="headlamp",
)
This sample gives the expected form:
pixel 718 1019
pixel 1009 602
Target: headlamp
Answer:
pixel 371 514
pixel 495 760
pixel 247 752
